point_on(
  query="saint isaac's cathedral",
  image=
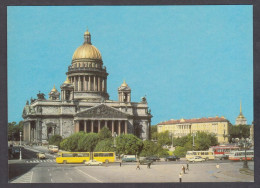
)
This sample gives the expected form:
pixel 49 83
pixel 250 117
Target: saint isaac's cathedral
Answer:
pixel 83 104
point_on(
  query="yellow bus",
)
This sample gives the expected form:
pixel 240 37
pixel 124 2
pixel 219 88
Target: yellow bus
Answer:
pixel 204 154
pixel 105 157
pixel 72 157
pixel 82 157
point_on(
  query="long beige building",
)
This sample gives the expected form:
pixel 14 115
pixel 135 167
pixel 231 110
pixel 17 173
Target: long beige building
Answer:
pixel 216 125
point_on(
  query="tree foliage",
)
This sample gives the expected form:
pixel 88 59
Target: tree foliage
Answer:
pixel 55 140
pixel 154 133
pixel 14 130
pixel 105 145
pixel 164 138
pixel 128 144
pixel 104 133
pixel 180 151
pixel 152 149
pixel 239 131
pixel 88 142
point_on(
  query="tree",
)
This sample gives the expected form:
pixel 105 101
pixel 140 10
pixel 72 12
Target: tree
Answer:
pixel 164 138
pixel 150 148
pixel 154 133
pixel 239 131
pixel 71 143
pixel 55 140
pixel 128 144
pixel 88 142
pixel 104 145
pixel 14 130
pixel 104 133
pixel 180 151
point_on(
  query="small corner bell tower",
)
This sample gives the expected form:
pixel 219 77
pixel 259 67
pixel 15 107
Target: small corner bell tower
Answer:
pixel 67 91
pixel 124 93
pixel 54 94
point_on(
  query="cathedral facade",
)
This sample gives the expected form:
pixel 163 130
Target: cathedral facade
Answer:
pixel 83 103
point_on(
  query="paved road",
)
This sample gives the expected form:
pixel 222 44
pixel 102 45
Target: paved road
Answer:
pixel 32 170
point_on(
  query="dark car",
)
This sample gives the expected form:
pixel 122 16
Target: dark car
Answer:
pixel 172 158
pixel 153 158
pixel 145 161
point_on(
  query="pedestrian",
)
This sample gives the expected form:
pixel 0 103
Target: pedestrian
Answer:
pixel 120 163
pixel 180 177
pixel 183 169
pixel 149 165
pixel 187 166
pixel 138 166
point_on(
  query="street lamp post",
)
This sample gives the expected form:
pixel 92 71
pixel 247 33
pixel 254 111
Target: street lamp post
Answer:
pixel 193 144
pixel 172 138
pixel 20 145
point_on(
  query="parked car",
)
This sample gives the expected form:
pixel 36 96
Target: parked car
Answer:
pixel 93 163
pixel 41 155
pixel 153 158
pixel 172 158
pixel 145 161
pixel 196 159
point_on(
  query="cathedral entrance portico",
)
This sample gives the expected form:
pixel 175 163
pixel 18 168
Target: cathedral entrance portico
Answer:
pixel 94 125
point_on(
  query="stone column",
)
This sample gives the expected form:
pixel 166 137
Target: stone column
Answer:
pixel 126 127
pixel 94 85
pixel 92 126
pixel 105 85
pixel 85 126
pixel 113 127
pixel 105 123
pixel 79 83
pixel 98 126
pixel 119 128
pixel 102 85
pixel 88 83
pixel 99 84
pixel 84 83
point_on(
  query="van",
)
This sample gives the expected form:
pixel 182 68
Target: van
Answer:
pixel 129 158
pixel 53 149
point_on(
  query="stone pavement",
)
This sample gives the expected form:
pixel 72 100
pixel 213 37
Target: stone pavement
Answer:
pixel 199 172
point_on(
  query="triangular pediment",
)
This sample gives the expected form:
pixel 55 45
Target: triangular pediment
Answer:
pixel 102 111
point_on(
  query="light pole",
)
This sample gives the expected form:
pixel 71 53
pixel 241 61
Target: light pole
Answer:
pixel 193 144
pixel 245 143
pixel 172 138
pixel 20 145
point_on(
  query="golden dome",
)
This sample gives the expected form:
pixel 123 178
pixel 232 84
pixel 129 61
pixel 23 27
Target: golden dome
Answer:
pixel 67 81
pixel 87 51
pixel 54 89
pixel 124 84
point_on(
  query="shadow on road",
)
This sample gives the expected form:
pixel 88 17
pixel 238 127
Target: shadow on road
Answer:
pixel 18 169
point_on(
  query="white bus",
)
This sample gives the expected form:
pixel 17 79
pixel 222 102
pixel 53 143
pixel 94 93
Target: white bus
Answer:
pixel 240 155
pixel 204 154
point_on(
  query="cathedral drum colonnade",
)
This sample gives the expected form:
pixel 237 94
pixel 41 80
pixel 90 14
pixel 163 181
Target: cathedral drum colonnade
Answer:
pixel 83 103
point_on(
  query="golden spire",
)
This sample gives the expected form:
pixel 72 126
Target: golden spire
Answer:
pixel 87 32
pixel 54 89
pixel 124 84
pixel 67 81
pixel 240 107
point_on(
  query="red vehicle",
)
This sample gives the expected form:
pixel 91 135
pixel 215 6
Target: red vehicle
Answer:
pixel 223 152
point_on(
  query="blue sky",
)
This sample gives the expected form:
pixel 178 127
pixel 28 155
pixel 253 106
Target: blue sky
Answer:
pixel 190 61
